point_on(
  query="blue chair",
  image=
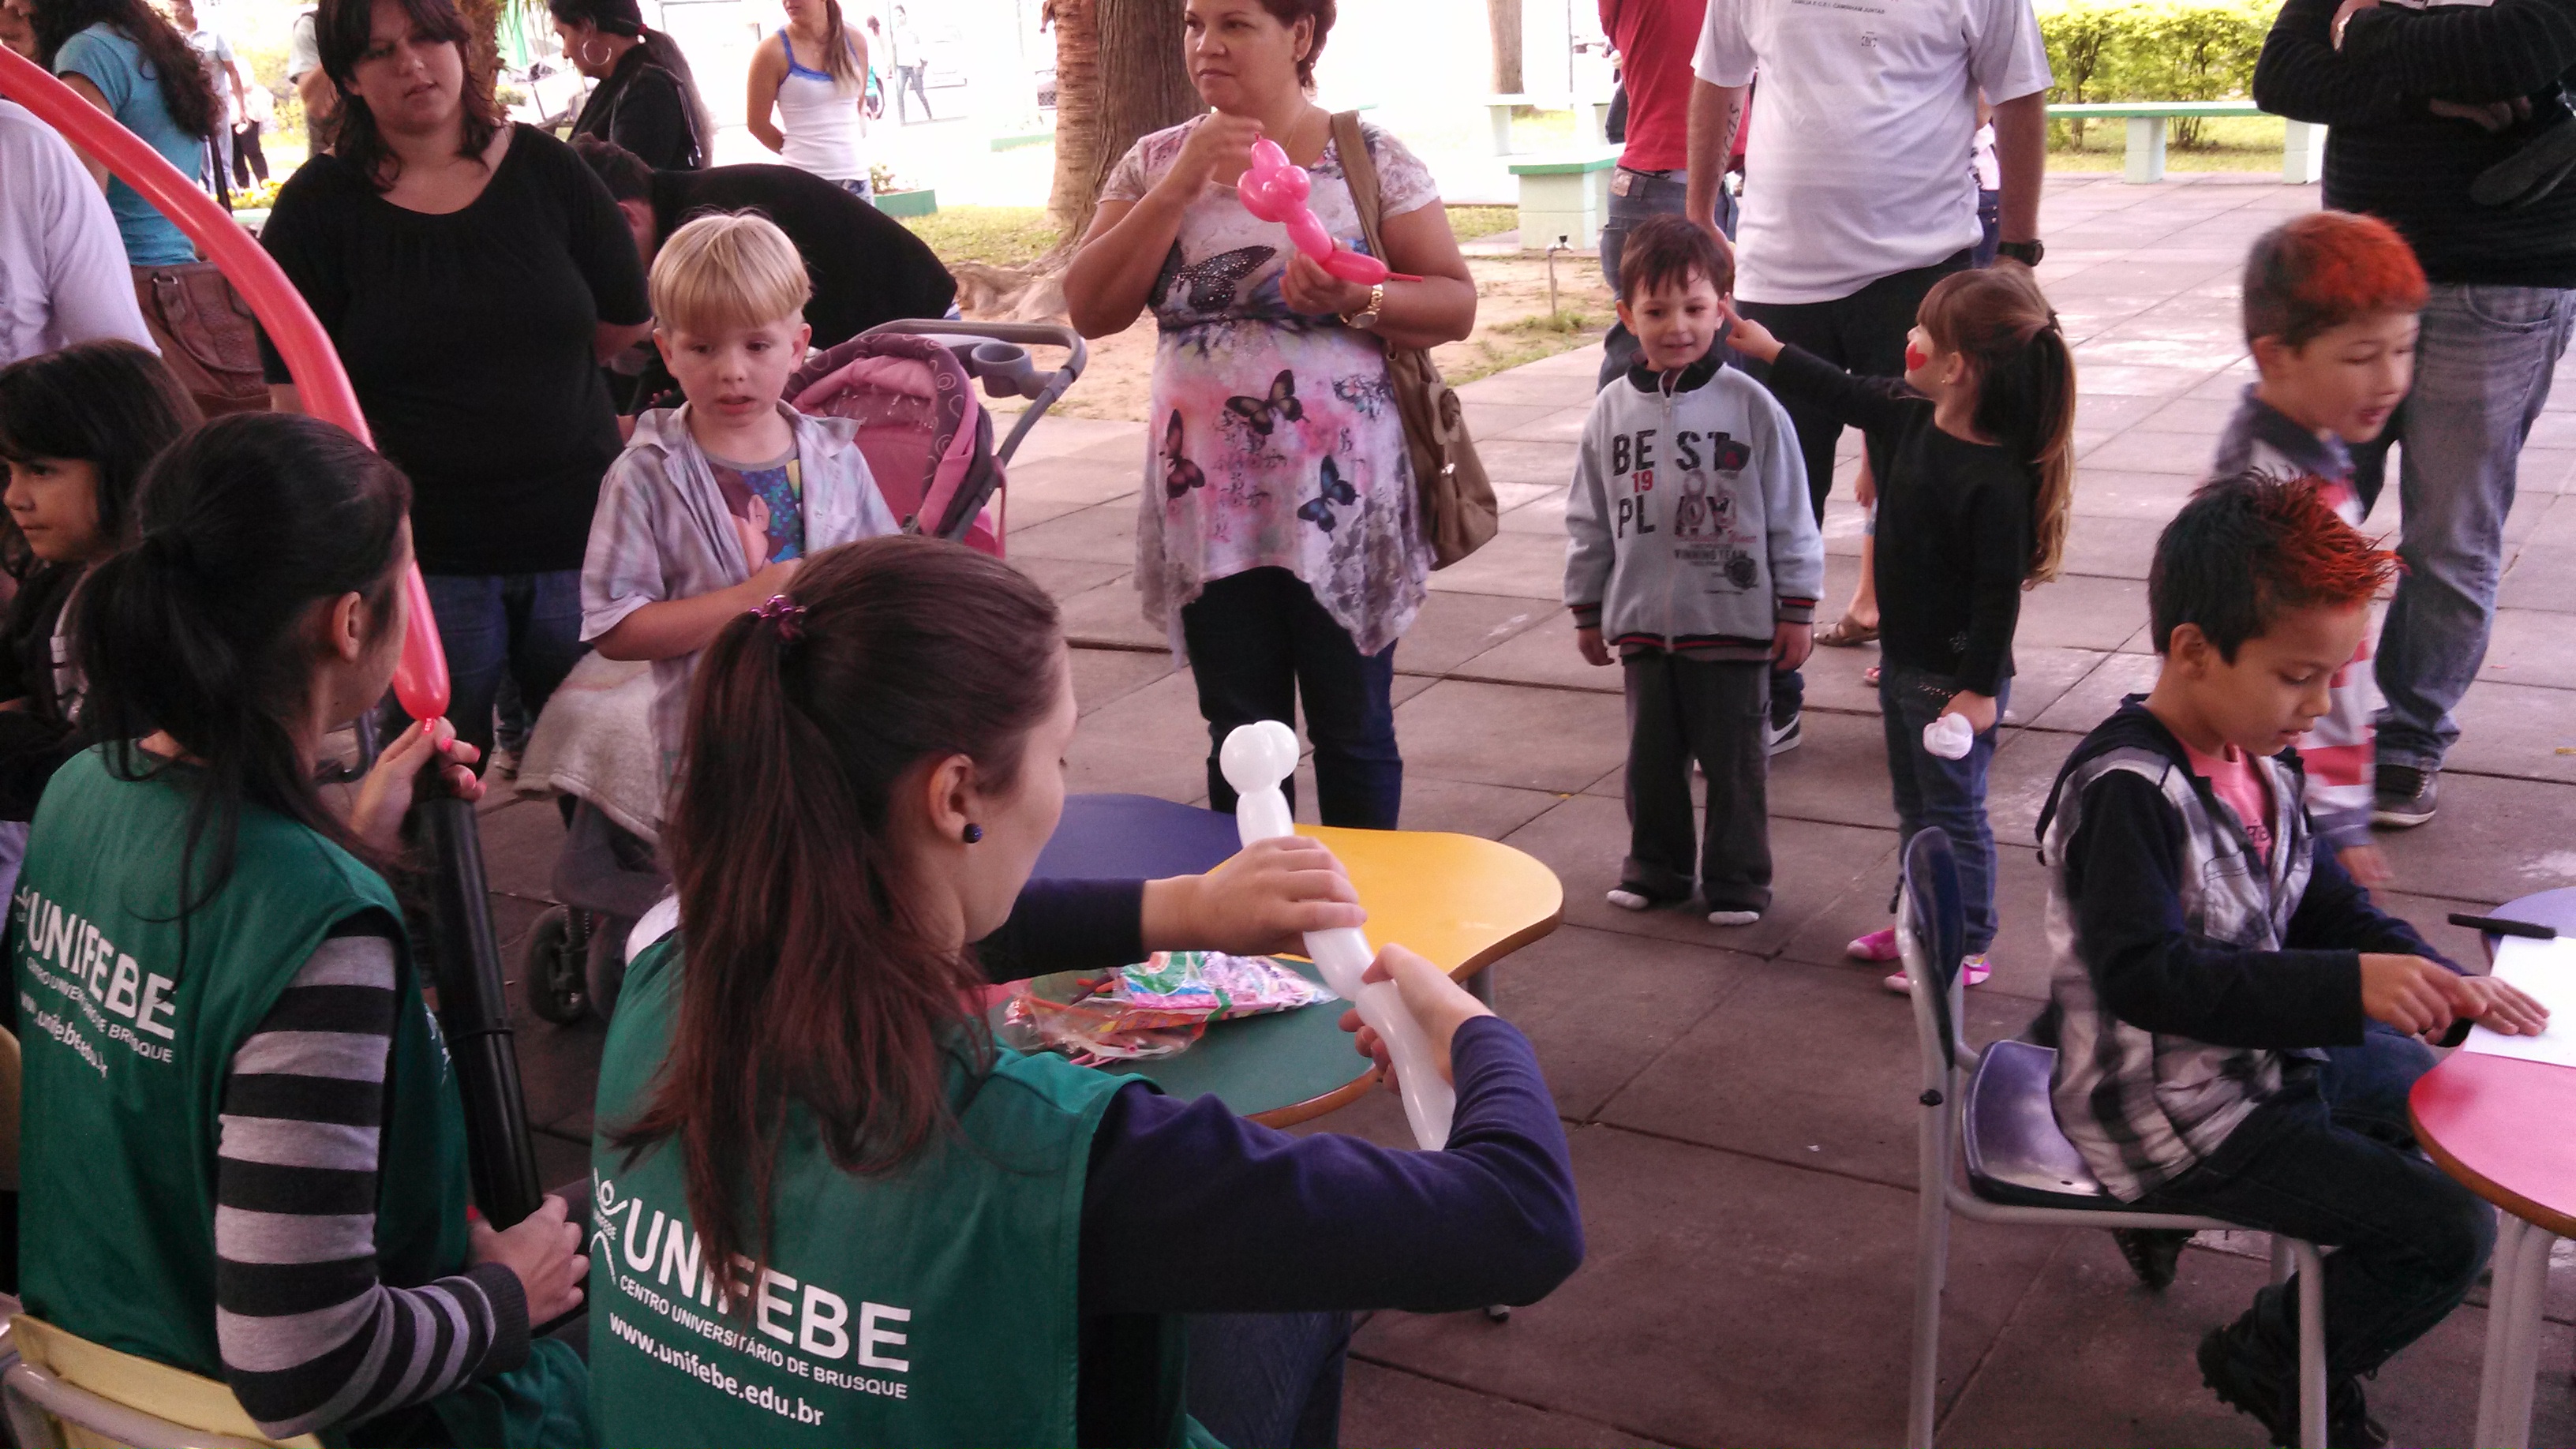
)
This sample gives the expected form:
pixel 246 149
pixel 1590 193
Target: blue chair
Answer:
pixel 1991 1110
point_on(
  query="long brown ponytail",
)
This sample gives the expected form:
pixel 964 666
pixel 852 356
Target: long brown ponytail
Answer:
pixel 2001 322
pixel 811 982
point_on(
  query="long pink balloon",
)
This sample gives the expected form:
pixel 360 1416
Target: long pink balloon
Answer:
pixel 1274 189
pixel 420 680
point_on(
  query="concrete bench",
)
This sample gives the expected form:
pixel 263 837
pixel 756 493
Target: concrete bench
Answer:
pixel 2303 157
pixel 1565 194
pixel 1592 117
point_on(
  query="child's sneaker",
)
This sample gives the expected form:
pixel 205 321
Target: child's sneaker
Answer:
pixel 1878 945
pixel 1972 972
pixel 1630 896
pixel 1733 918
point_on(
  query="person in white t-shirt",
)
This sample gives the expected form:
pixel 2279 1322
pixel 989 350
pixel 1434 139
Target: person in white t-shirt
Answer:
pixel 63 275
pixel 1858 187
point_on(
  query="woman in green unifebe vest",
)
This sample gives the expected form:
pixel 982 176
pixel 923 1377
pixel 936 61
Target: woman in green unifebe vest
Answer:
pixel 830 1210
pixel 242 1150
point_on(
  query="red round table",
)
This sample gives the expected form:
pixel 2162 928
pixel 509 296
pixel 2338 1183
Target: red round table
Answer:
pixel 2500 1126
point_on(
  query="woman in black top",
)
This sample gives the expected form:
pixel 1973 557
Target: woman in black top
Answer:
pixel 472 275
pixel 646 100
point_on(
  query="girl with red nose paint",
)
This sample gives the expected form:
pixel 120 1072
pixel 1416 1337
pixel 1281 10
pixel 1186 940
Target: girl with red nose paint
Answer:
pixel 1973 510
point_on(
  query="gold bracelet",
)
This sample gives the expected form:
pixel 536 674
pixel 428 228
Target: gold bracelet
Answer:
pixel 1367 316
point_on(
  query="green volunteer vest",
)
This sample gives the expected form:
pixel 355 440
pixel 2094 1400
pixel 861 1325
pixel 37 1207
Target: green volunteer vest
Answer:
pixel 129 1019
pixel 935 1305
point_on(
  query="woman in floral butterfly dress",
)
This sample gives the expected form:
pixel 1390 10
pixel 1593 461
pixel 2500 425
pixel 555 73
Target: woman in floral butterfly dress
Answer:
pixel 1280 537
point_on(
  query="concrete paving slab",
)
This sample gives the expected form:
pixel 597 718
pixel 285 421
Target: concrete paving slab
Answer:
pixel 1543 514
pixel 1526 462
pixel 2092 1358
pixel 1807 1066
pixel 1496 419
pixel 1103 533
pixel 2082 613
pixel 1063 578
pixel 1383 1405
pixel 1111 615
pixel 520 842
pixel 1454 628
pixel 1527 387
pixel 2528 646
pixel 1078 479
pixel 1837 775
pixel 2494 840
pixel 1813 865
pixel 2542 577
pixel 2093 698
pixel 2018 782
pixel 2140 451
pixel 2120 548
pixel 1060 436
pixel 1543 655
pixel 1487 811
pixel 2516 730
pixel 1706 1237
pixel 1150 741
pixel 1565 425
pixel 1600 1006
pixel 2042 677
pixel 2154 497
pixel 1105 676
pixel 1489 734
pixel 1522 565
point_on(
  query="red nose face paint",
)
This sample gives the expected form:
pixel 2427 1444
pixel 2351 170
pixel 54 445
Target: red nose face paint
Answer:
pixel 1915 361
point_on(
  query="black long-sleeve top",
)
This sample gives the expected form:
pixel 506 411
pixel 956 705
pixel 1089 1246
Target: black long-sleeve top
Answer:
pixel 2388 154
pixel 1173 1185
pixel 1954 525
pixel 38 736
pixel 644 107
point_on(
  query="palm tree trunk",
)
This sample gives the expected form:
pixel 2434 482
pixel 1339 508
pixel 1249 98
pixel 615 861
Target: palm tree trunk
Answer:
pixel 1503 18
pixel 1119 75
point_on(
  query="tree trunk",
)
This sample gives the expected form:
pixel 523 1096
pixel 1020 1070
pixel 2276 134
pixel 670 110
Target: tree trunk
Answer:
pixel 1119 75
pixel 1503 17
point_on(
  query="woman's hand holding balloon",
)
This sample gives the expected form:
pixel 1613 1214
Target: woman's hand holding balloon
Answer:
pixel 1308 287
pixel 386 795
pixel 1218 145
pixel 1436 1001
pixel 1274 190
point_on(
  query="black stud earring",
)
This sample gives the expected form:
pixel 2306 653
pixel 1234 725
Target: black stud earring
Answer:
pixel 974 833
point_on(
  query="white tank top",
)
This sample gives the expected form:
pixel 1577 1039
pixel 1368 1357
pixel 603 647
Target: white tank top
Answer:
pixel 820 120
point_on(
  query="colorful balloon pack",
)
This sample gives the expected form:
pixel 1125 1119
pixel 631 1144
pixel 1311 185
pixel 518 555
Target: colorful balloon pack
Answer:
pixel 1154 1008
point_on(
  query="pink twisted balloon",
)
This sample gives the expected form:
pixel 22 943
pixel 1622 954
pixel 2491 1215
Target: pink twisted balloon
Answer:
pixel 1274 190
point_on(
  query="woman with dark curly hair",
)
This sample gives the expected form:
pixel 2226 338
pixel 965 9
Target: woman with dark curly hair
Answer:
pixel 472 275
pixel 123 58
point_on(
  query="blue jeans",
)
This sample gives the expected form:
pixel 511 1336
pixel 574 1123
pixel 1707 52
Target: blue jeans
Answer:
pixel 1990 220
pixel 2482 372
pixel 1268 1380
pixel 1650 193
pixel 2331 1159
pixel 1937 794
pixel 527 626
pixel 1258 642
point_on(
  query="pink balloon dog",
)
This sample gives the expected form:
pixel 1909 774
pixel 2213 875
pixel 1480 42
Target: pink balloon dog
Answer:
pixel 1274 190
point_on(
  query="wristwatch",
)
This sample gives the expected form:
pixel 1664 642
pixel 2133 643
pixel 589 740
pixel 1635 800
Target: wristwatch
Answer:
pixel 2027 253
pixel 1367 316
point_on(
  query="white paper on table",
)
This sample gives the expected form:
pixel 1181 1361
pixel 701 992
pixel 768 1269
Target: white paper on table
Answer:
pixel 2546 971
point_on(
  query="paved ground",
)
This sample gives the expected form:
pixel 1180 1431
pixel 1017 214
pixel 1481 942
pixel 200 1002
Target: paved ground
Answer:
pixel 1740 1102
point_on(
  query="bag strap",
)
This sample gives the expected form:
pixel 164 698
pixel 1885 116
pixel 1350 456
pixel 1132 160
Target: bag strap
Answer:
pixel 1359 171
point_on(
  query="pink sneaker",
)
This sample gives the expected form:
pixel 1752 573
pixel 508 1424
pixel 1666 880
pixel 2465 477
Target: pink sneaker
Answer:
pixel 1972 971
pixel 1878 945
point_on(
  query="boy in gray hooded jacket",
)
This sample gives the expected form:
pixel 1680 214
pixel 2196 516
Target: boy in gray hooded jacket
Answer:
pixel 1693 552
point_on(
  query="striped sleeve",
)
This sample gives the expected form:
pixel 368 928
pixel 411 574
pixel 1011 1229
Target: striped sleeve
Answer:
pixel 311 1337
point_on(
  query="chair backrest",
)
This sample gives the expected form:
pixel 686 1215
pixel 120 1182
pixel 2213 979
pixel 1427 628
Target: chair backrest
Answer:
pixel 1932 937
pixel 89 1396
pixel 927 438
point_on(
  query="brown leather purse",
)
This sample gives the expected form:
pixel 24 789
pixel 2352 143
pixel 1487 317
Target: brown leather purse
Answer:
pixel 206 335
pixel 1458 509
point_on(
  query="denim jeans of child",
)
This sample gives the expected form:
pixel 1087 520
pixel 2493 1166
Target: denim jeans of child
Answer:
pixel 1945 795
pixel 2332 1160
pixel 527 626
pixel 1259 646
pixel 2482 372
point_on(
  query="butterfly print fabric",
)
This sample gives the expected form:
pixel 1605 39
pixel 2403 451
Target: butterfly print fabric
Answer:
pixel 1276 443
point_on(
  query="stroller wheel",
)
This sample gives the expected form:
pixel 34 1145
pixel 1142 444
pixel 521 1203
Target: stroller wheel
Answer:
pixel 605 963
pixel 552 970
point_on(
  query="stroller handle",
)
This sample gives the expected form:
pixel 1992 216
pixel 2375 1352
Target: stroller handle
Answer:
pixel 1004 371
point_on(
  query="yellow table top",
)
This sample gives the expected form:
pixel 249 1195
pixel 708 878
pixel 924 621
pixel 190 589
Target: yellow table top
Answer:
pixel 1459 900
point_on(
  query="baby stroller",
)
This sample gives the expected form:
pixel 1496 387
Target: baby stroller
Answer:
pixel 929 442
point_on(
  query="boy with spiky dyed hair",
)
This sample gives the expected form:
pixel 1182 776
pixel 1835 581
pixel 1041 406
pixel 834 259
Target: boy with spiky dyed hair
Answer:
pixel 2236 1022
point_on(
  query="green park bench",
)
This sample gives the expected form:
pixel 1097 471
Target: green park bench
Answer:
pixel 2302 158
pixel 1591 116
pixel 1564 194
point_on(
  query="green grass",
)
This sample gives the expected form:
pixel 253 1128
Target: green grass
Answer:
pixel 1471 223
pixel 1000 236
pixel 2229 143
pixel 1564 322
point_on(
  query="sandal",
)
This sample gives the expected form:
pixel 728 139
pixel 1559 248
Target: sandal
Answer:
pixel 1870 676
pixel 1847 633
